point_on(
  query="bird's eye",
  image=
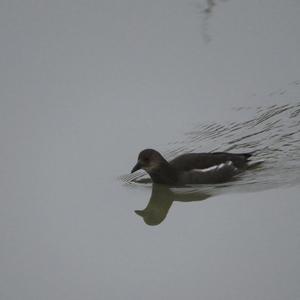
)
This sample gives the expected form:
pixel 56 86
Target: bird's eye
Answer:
pixel 146 159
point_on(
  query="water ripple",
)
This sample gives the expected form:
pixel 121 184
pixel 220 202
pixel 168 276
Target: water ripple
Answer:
pixel 273 132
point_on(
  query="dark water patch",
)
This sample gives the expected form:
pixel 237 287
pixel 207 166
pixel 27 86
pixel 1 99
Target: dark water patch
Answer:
pixel 205 9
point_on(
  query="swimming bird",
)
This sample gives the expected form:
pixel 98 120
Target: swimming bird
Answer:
pixel 192 168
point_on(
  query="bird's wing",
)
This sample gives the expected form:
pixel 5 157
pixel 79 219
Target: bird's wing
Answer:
pixel 215 174
pixel 192 161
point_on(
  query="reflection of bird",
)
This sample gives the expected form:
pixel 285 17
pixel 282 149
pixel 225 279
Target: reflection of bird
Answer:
pixel 161 200
pixel 192 168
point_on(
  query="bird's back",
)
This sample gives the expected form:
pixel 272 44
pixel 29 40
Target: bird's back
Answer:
pixel 190 161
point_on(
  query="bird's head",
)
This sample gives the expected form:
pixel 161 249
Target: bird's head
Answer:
pixel 148 160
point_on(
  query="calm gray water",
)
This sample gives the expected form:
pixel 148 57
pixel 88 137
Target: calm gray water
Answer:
pixel 85 86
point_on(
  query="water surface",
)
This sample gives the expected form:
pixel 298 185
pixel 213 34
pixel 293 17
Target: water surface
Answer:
pixel 85 86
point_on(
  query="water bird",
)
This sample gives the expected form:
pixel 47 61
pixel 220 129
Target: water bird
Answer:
pixel 192 168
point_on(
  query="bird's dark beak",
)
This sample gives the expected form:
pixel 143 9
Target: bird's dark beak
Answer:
pixel 138 166
pixel 140 213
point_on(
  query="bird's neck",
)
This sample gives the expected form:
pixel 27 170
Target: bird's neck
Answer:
pixel 164 174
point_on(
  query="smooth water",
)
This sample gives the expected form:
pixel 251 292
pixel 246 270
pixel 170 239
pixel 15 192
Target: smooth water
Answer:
pixel 85 86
